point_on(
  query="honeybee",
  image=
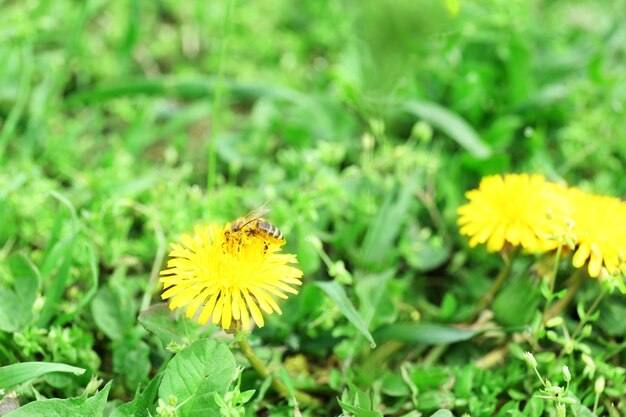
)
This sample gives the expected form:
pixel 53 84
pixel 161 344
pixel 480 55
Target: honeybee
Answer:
pixel 254 225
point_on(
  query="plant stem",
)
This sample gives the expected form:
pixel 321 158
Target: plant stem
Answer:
pixel 279 386
pixel 504 273
pixel 434 355
pixel 589 312
pixel 216 109
pixel 555 271
pixel 575 282
pixel 595 403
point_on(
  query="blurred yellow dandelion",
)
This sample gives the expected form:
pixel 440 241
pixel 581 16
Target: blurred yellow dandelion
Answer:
pixel 518 209
pixel 599 225
pixel 229 276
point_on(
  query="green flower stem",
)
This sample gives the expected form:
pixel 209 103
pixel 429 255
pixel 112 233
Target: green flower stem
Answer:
pixel 504 273
pixel 575 282
pixel 279 386
pixel 552 282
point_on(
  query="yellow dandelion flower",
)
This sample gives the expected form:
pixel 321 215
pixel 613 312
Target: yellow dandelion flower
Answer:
pixel 518 209
pixel 599 225
pixel 228 275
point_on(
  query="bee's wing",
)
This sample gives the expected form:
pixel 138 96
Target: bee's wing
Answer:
pixel 255 214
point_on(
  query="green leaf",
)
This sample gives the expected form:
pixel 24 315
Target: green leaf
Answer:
pixel 201 405
pixel 359 411
pixel 451 124
pixel 335 292
pixel 158 319
pixel 55 268
pixel 613 312
pixel 517 302
pixel 141 405
pixel 131 358
pixel 80 406
pixel 18 373
pixel 442 413
pixel 183 87
pixel 376 306
pixel 62 253
pixel 423 252
pixel 195 373
pixel 427 333
pixel 17 302
pixel 111 314
pixel 93 268
pixel 379 242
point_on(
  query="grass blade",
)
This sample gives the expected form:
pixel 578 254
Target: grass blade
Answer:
pixel 451 124
pixel 426 333
pixel 335 292
pixel 19 373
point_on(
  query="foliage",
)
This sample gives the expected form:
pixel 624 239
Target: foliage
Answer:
pixel 123 124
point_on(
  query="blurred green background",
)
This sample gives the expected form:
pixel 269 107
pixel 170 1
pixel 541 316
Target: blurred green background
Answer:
pixel 124 123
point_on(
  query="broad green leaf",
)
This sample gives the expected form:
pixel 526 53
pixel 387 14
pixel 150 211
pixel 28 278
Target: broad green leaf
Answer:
pixel 427 333
pixel 423 252
pixel 160 320
pixel 131 358
pixel 426 377
pixel 335 292
pixel 18 373
pixel 80 406
pixel 517 302
pixel 612 311
pixel 197 371
pixel 201 405
pixel 142 404
pixel 17 302
pixel 111 314
pixel 451 124
pixel 464 382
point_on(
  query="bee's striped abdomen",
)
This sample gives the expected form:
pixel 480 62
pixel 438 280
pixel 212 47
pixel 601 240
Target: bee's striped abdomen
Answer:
pixel 270 229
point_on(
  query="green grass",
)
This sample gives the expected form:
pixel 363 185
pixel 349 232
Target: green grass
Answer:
pixel 125 123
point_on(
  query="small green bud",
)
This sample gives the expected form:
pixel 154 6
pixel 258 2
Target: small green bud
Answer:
pixel 422 131
pixel 560 410
pixel 554 321
pixel 588 361
pixel 586 331
pixel 530 360
pixel 567 400
pixel 556 390
pixel 552 335
pixel 599 385
pixel 566 375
